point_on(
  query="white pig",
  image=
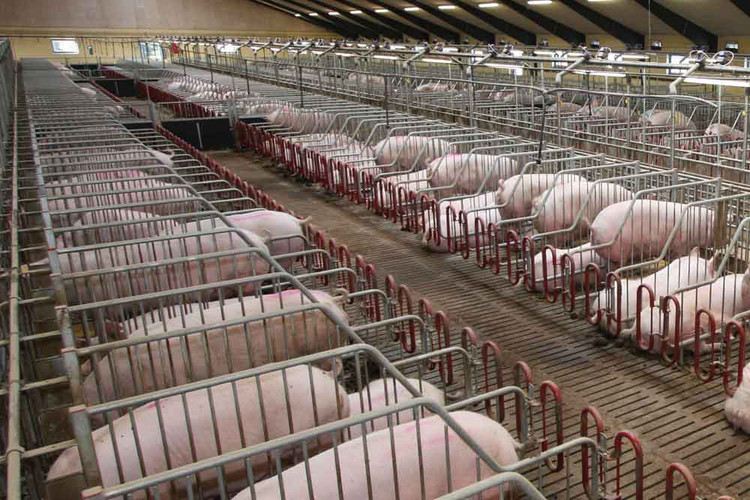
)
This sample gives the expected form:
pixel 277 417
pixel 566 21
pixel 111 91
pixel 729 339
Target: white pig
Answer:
pixel 564 202
pixel 737 407
pixel 723 298
pixel 196 439
pixel 679 273
pixel 172 276
pixel 726 132
pixel 469 172
pixel 582 257
pixel 386 392
pixel 399 152
pixel 213 351
pixel 648 224
pixel 660 117
pixel 456 230
pixel 428 468
pixel 516 195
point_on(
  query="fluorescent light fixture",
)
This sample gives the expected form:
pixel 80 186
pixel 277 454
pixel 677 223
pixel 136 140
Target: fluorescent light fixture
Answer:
pixel 297 15
pixel 382 11
pixel 450 49
pixel 613 74
pixel 355 12
pixel 488 5
pixel 447 7
pixel 390 58
pixel 317 52
pixel 362 45
pixel 544 53
pixel 718 81
pixel 344 54
pixel 411 9
pixel 636 57
pixel 398 47
pixel 539 2
pixel 433 60
pixel 574 54
pixel 313 14
pixel 334 14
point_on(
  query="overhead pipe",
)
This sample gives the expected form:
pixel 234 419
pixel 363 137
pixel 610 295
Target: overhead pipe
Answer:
pixel 673 85
pixel 571 67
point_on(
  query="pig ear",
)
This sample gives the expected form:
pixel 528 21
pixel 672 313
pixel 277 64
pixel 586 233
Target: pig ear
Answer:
pixel 342 297
pixel 695 252
pixel 304 222
pixel 500 184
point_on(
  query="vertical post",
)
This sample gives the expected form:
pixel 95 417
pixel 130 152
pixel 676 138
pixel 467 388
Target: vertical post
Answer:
pixel 671 137
pixel 86 451
pixel 472 95
pixel 247 77
pixel 744 138
pixel 385 103
pixel 210 69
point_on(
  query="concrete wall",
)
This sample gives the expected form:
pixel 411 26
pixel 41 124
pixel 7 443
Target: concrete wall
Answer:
pixel 125 17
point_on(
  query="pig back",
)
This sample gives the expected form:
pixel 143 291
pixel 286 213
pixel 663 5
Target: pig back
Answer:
pixel 210 431
pixel 433 474
pixel 214 351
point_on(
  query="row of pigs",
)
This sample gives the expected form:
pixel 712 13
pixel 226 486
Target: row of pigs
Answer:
pixel 618 224
pixel 178 430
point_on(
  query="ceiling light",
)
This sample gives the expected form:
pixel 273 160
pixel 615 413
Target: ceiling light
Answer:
pixel 297 15
pixel 503 66
pixel 447 7
pixel 544 53
pixel 344 54
pixel 718 81
pixel 411 9
pixel 433 60
pixel 636 57
pixel 381 11
pixel 313 14
pixel 355 12
pixel 398 47
pixel 334 14
pixel 539 2
pixel 390 58
pixel 488 5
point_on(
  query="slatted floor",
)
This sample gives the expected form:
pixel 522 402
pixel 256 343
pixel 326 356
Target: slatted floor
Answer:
pixel 676 417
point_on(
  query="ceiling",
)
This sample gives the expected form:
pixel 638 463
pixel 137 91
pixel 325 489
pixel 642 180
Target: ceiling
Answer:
pixel 700 22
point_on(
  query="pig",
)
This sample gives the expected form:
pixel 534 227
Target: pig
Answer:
pixel 236 420
pixel 489 216
pixel 171 276
pixel 515 196
pixel 659 117
pixel 433 87
pixel 168 362
pixel 723 298
pixel 135 191
pixel 582 257
pixel 619 113
pixel 469 172
pixel 383 448
pixel 140 225
pixel 737 406
pixel 197 314
pixel 648 224
pixel 282 233
pixel 386 392
pixel 725 132
pixel 564 107
pixel 401 153
pixel 681 272
pixel 164 158
pixel 564 202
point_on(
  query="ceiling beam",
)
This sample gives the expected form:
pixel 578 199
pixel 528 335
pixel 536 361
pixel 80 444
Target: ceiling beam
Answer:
pixel 409 30
pixel 558 29
pixel 303 15
pixel 360 30
pixel 376 28
pixel 609 25
pixel 470 29
pixel 743 5
pixel 524 36
pixel 684 27
pixel 435 29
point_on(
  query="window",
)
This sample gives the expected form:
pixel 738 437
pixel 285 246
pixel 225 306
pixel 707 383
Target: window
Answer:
pixel 151 51
pixel 64 46
pixel 677 59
